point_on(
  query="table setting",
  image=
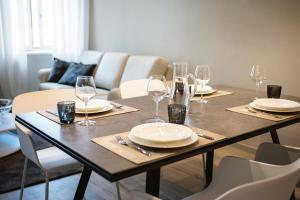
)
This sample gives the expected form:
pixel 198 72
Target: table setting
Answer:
pixel 85 107
pixel 271 108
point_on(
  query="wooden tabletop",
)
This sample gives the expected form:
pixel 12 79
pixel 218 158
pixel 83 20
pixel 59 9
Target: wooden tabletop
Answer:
pixel 76 140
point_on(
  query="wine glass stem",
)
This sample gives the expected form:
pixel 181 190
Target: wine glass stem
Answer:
pixel 257 89
pixel 156 109
pixel 86 113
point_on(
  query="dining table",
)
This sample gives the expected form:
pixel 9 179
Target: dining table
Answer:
pixel 214 116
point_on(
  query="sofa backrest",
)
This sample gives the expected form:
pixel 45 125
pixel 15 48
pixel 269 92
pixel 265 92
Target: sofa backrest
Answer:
pixel 110 70
pixel 90 57
pixel 141 67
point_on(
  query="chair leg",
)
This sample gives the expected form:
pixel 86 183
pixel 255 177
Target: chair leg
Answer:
pixel 23 178
pixel 118 190
pixel 46 186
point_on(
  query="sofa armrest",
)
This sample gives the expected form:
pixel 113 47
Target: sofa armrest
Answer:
pixel 114 94
pixel 43 74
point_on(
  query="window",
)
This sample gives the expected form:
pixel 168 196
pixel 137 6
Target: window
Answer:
pixel 40 23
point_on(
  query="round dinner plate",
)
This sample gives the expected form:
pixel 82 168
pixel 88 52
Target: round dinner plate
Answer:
pixel 253 105
pixel 94 106
pixel 161 132
pixel 183 143
pixel 205 91
pixel 276 105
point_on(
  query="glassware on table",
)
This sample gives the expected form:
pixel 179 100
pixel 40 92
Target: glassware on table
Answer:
pixel 202 77
pixel 66 111
pixel 274 91
pixel 5 106
pixel 258 75
pixel 85 91
pixel 181 93
pixel 176 113
pixel 157 88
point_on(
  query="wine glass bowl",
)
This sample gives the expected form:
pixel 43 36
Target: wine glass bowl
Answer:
pixel 258 75
pixel 157 88
pixel 85 91
pixel 202 77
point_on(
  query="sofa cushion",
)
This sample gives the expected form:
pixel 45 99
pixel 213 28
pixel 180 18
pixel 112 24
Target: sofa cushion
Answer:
pixel 74 70
pixel 90 57
pixel 58 69
pixel 140 67
pixel 110 70
pixel 51 86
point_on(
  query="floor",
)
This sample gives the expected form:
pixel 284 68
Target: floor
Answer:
pixel 178 180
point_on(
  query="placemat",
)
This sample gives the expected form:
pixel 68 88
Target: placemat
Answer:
pixel 131 154
pixel 218 93
pixel 245 109
pixel 115 111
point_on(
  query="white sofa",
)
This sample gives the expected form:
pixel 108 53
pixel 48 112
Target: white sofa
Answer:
pixel 113 69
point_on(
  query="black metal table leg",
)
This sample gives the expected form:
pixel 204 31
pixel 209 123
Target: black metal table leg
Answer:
pixel 209 167
pixel 153 182
pixel 274 136
pixel 83 182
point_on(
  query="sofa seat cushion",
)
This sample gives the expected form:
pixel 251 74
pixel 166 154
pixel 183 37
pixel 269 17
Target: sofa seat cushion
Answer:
pixel 110 69
pixel 74 70
pixel 141 67
pixel 51 86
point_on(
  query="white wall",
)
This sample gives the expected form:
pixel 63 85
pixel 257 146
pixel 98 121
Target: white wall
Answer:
pixel 230 35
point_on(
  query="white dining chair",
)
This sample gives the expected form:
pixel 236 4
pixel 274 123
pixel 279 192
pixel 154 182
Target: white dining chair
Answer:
pixel 49 159
pixel 239 178
pixel 277 154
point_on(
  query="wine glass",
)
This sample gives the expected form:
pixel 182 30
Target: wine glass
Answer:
pixel 85 91
pixel 258 75
pixel 202 76
pixel 157 88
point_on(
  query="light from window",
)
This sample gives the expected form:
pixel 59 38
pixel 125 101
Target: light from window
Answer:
pixel 41 22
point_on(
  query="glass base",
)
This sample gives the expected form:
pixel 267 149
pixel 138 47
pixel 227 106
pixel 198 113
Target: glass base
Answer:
pixel 87 123
pixel 154 120
pixel 202 101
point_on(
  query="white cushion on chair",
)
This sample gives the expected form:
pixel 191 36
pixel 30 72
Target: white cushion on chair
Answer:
pixel 110 70
pixel 139 67
pixel 53 159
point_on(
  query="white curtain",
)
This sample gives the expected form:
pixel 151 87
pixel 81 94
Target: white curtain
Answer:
pixel 70 35
pixel 13 35
pixel 71 28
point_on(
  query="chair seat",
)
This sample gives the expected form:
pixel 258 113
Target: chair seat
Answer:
pixel 53 159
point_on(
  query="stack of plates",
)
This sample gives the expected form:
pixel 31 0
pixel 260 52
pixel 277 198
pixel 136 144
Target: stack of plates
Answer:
pixel 204 91
pixel 94 106
pixel 162 135
pixel 275 105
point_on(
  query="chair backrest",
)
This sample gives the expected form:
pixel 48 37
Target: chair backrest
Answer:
pixel 110 70
pixel 141 67
pixel 277 154
pixel 134 88
pixel 26 144
pixel 268 182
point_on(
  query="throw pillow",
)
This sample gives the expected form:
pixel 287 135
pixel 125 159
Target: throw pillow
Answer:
pixel 74 70
pixel 58 69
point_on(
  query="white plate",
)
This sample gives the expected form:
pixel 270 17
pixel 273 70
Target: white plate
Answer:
pixel 103 109
pixel 272 110
pixel 276 104
pixel 187 142
pixel 206 90
pixel 93 105
pixel 161 132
